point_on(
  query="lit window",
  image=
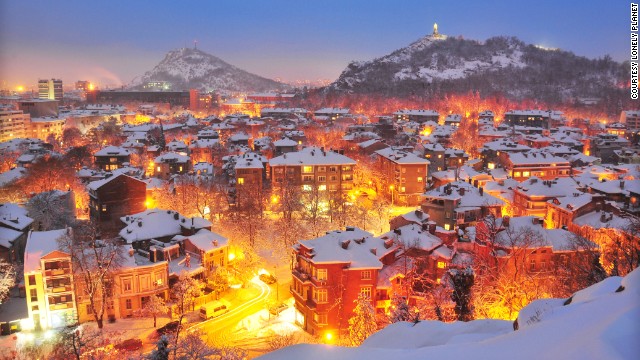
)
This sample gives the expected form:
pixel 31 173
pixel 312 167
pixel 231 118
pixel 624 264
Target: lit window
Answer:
pixel 306 187
pixel 419 179
pixel 320 318
pixel 517 174
pixel 321 295
pixel 307 169
pixel 439 156
pixel 322 187
pixel 158 169
pixel 366 291
pixel 491 166
pixel 322 274
pixel 438 280
pixel 240 181
pixel 126 285
pixel 526 174
pixel 441 264
pixel 447 227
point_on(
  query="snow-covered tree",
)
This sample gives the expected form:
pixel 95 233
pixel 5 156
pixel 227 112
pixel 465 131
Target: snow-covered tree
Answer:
pixel 154 307
pixel 162 351
pixel 363 322
pixel 184 293
pixel 7 279
pixel 400 310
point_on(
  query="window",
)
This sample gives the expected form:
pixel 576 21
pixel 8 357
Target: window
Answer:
pixel 532 265
pixel 32 279
pixel 403 189
pixel 307 178
pixel 240 181
pixel 365 275
pixel 441 264
pixel 526 174
pixel 366 291
pixel 419 179
pixel 346 168
pixel 306 187
pixel 34 294
pixel 333 178
pixel 322 274
pixel 307 169
pixel 322 178
pixel 320 318
pixel 34 308
pixel 126 285
pixel 333 169
pixel 322 187
pixel 128 304
pixel 322 169
pixel 321 295
pixel 158 169
pixel 517 174
pixel 104 208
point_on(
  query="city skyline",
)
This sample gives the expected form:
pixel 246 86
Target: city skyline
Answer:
pixel 111 43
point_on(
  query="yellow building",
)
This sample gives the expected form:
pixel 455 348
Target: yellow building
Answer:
pixel 48 281
pixel 41 128
pixel 12 125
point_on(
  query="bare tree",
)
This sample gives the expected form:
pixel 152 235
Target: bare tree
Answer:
pixel 184 292
pixel 94 261
pixel 80 342
pixel 51 210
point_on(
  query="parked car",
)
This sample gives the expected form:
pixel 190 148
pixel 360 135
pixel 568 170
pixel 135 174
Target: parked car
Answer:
pixel 268 278
pixel 277 309
pixel 169 328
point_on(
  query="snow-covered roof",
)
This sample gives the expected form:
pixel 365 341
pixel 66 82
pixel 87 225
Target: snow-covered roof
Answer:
pixel 249 161
pixel 412 236
pixel 547 188
pixel 345 246
pixel 402 157
pixel 112 151
pixel 95 185
pixel 12 175
pixel 418 112
pixel 206 240
pixel 8 236
pixel 285 142
pixel 331 111
pixel 171 157
pixel 157 223
pixel 536 157
pixel 471 197
pixel 528 113
pixel 39 244
pixel 14 216
pixel 311 156
pixel 528 231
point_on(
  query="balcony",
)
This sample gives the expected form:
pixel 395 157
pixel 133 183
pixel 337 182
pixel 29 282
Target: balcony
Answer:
pixel 57 272
pixel 300 275
pixel 59 289
pixel 62 306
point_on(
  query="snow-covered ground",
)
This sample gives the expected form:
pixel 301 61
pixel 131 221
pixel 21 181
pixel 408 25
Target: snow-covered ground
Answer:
pixel 598 323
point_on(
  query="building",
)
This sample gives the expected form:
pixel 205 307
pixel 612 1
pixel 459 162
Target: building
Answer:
pixel 313 167
pixel 404 174
pixel 419 116
pixel 561 211
pixel 250 170
pixel 44 127
pixel 331 114
pixel 111 158
pixel 171 163
pixel 524 165
pixel 50 89
pixel 631 118
pixel 283 112
pixel 48 279
pixel 14 224
pixel 459 204
pixel 115 197
pixel 531 196
pixel 528 118
pixel 39 108
pixel 13 125
pixel 173 98
pixel 211 248
pixel 284 145
pixel 328 274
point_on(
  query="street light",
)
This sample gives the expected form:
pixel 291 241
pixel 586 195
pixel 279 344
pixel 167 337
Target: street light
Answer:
pixel 391 189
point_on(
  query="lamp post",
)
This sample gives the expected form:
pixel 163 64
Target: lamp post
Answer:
pixel 391 189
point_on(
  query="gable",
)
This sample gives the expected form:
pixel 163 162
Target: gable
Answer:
pixel 56 254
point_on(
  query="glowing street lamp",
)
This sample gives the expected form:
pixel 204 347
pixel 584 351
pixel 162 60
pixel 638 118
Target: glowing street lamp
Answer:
pixel 391 189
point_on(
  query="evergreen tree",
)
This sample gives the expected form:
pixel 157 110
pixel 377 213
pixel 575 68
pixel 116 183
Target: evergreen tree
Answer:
pixel 363 322
pixel 462 281
pixel 400 310
pixel 162 350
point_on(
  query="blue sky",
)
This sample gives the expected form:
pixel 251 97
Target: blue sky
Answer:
pixel 113 41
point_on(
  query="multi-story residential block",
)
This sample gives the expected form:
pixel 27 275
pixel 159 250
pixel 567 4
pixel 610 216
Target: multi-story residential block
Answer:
pixel 419 116
pixel 44 127
pixel 491 151
pixel 523 165
pixel 48 279
pixel 331 114
pixel 111 158
pixel 605 145
pixel 530 118
pixel 531 196
pixel 313 167
pixel 50 89
pixel 631 118
pixel 453 120
pixel 459 204
pixel 13 125
pixel 39 108
pixel 115 197
pixel 561 211
pixel 250 170
pixel 405 174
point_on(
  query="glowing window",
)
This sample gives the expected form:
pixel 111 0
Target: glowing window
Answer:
pixel 365 275
pixel 240 181
pixel 322 274
pixel 366 291
pixel 307 169
pixel 441 264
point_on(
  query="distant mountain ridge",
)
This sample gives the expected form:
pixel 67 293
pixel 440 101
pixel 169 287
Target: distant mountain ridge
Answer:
pixel 191 68
pixel 437 64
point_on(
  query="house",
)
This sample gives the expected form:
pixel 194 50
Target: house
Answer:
pixel 211 248
pixel 459 204
pixel 284 145
pixel 48 278
pixel 203 149
pixel 155 226
pixel 114 197
pixel 250 170
pixel 371 146
pixel 419 116
pixel 309 167
pixel 531 196
pixel 111 158
pixel 329 273
pixel 523 165
pixel 532 118
pixel 405 174
pixel 171 163
pixel 14 224
pixel 561 211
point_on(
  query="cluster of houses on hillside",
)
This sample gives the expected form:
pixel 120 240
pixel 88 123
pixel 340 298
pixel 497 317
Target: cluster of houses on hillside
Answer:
pixel 533 171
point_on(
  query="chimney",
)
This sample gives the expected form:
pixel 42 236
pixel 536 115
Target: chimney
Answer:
pixel 461 191
pixel 481 189
pixel 374 251
pixel 215 243
pixel 475 183
pixel 603 217
pixel 432 229
pixel 418 213
pixel 505 221
pixel 131 252
pixel 621 184
pixel 345 244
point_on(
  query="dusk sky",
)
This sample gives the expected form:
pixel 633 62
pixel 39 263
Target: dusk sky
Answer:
pixel 111 42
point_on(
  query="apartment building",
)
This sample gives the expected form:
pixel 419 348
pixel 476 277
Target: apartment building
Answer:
pixel 405 175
